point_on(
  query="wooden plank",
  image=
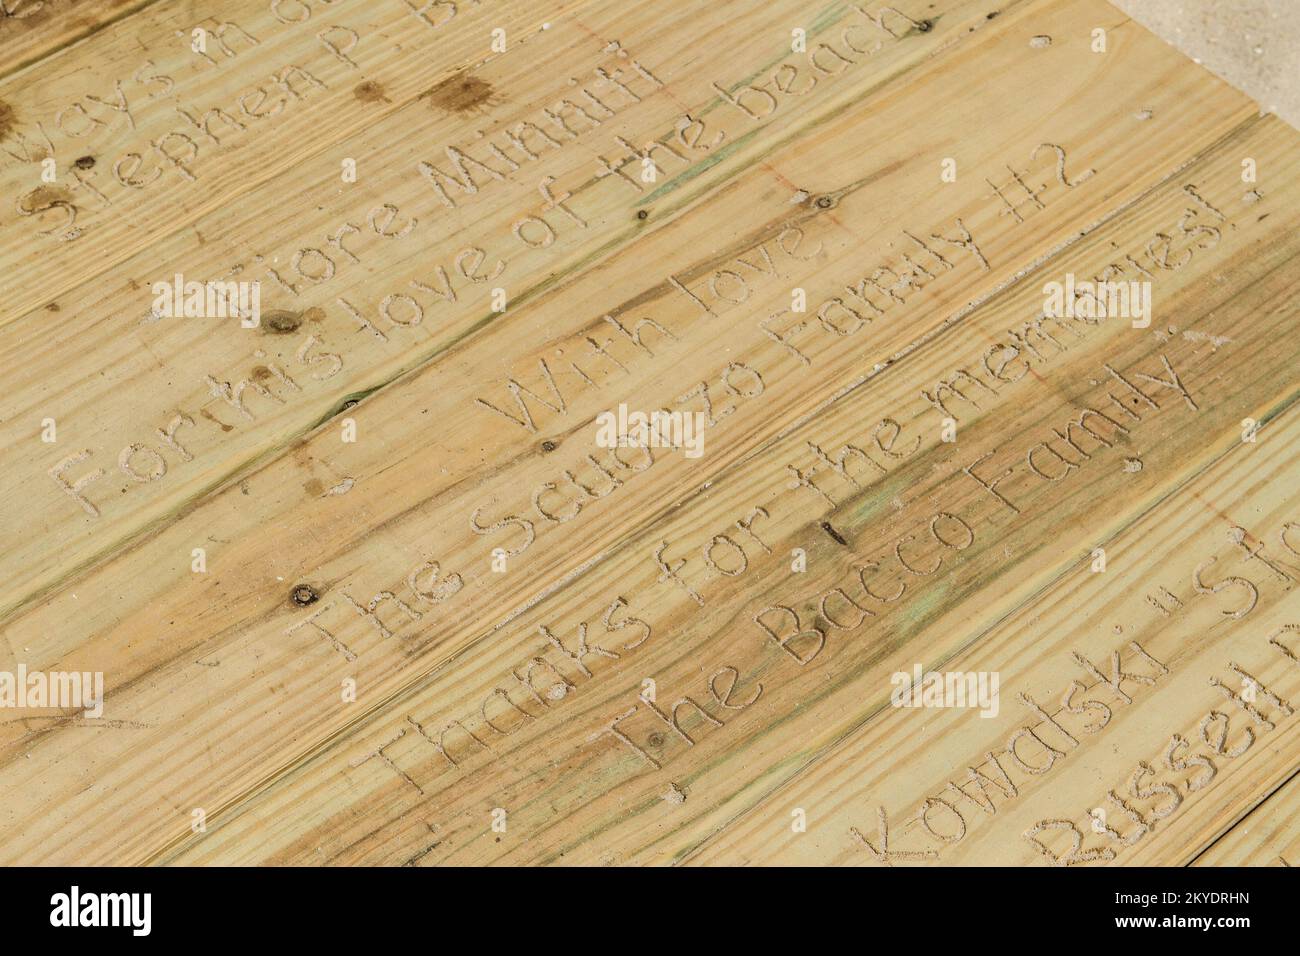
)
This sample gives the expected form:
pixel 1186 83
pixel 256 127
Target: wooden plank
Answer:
pixel 247 593
pixel 365 582
pixel 545 768
pixel 31 30
pixel 165 138
pixel 112 390
pixel 1170 794
pixel 1267 836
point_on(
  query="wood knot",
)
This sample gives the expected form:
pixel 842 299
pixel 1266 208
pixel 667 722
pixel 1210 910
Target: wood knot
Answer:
pixel 824 202
pixel 304 595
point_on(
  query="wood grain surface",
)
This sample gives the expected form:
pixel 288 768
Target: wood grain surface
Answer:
pixel 366 582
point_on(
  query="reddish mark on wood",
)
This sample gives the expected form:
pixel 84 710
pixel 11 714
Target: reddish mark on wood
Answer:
pixel 1213 507
pixel 225 427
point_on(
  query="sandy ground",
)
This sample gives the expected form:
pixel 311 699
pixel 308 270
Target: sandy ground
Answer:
pixel 1253 44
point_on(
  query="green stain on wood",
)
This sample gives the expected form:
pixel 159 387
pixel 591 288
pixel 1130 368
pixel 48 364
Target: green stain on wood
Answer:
pixel 686 175
pixel 924 606
pixel 828 17
pixel 878 499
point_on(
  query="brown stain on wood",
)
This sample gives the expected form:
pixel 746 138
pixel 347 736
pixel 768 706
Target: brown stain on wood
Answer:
pixel 8 120
pixel 461 93
pixel 25 16
pixel 281 322
pixel 45 197
pixel 370 92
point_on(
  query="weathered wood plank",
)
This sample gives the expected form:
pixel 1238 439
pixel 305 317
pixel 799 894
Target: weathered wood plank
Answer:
pixel 398 249
pixel 367 582
pixel 603 801
pixel 31 30
pixel 167 134
pixel 1267 836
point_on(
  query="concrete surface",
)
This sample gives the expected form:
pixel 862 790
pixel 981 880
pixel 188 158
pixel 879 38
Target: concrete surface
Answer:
pixel 1253 44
